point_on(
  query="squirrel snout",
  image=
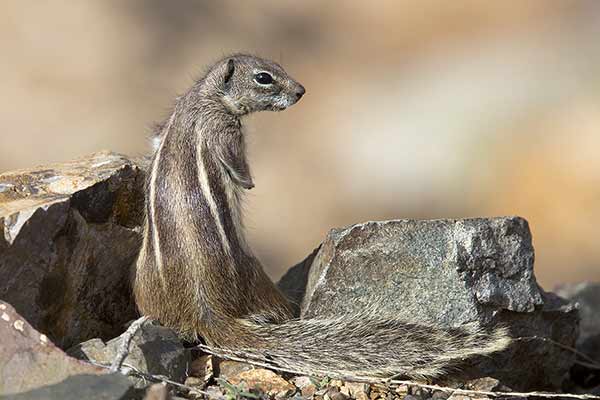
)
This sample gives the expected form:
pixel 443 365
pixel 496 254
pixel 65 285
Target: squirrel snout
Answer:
pixel 300 92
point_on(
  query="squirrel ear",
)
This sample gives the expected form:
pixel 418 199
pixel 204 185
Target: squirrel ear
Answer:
pixel 229 72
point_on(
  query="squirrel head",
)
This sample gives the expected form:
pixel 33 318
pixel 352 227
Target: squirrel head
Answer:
pixel 248 84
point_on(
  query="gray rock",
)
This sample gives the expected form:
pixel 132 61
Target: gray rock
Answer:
pixel 486 384
pixel 587 297
pixel 154 349
pixel 78 387
pixel 28 359
pixel 158 391
pixel 229 369
pixel 448 273
pixel 69 234
pixel 439 395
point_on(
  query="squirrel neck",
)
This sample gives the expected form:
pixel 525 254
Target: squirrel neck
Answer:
pixel 205 104
pixel 199 131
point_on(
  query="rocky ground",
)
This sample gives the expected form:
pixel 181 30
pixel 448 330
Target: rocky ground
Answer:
pixel 70 235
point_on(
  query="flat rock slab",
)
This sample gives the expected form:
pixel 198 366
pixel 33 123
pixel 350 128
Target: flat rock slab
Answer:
pixel 68 235
pixel 28 359
pixel 447 273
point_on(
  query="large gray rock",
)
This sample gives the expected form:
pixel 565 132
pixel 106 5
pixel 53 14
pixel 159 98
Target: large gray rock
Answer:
pixel 68 236
pixel 28 359
pixel 448 273
pixel 153 349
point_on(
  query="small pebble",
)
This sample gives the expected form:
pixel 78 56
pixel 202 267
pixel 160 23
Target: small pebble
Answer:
pixel 410 397
pixel 19 325
pixel 402 390
pixel 335 394
pixel 439 395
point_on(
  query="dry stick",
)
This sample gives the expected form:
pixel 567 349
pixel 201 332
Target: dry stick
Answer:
pixel 123 350
pixel 228 355
pixel 134 371
pixel 591 363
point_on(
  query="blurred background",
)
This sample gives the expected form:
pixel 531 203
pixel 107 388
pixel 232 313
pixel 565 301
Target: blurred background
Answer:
pixel 414 109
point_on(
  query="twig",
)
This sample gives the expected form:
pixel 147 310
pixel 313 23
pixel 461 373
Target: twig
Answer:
pixel 235 356
pixel 135 371
pixel 591 363
pixel 123 350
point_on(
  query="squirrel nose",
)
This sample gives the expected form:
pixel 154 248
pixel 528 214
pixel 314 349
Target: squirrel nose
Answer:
pixel 300 92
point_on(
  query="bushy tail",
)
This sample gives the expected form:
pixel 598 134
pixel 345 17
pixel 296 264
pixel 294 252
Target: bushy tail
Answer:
pixel 359 347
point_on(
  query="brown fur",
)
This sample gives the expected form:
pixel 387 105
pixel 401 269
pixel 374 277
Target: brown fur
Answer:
pixel 196 273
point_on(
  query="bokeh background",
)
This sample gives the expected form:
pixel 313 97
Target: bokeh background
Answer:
pixel 414 109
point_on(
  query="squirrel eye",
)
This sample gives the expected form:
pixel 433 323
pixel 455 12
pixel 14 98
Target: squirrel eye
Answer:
pixel 263 78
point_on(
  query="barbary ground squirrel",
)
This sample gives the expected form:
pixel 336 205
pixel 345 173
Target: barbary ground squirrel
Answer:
pixel 196 273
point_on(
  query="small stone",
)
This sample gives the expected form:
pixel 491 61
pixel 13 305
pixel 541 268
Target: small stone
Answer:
pixel 377 392
pixel 306 384
pixel 457 396
pixel 228 369
pixel 284 394
pixel 263 380
pixel 335 383
pixel 302 381
pixel 18 325
pixel 411 397
pixel 308 390
pixel 420 392
pixel 486 384
pixel 194 382
pixel 158 391
pixel 335 394
pixel 202 367
pixel 402 390
pixel 91 350
pixel 345 390
pixel 440 395
pixel 360 395
pixel 214 392
pixel 357 390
